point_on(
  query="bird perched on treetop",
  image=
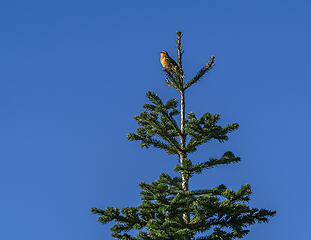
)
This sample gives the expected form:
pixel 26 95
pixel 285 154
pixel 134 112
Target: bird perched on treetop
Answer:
pixel 167 62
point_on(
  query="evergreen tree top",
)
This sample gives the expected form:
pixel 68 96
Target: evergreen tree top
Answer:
pixel 169 209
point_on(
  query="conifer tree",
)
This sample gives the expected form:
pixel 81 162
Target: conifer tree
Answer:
pixel 169 209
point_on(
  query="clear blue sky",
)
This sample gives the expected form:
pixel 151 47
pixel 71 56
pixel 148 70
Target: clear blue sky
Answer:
pixel 74 73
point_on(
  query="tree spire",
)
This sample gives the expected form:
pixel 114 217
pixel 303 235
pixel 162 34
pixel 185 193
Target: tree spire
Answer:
pixel 169 209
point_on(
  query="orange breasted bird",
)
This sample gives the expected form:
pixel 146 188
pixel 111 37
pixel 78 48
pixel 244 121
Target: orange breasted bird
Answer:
pixel 167 62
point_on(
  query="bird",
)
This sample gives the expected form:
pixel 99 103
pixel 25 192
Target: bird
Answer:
pixel 167 62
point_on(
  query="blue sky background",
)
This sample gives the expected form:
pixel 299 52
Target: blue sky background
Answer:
pixel 74 73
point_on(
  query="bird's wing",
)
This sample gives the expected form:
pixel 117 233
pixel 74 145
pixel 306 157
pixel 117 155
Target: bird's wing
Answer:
pixel 172 61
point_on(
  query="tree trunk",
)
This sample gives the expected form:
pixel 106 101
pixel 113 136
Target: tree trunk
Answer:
pixel 182 155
